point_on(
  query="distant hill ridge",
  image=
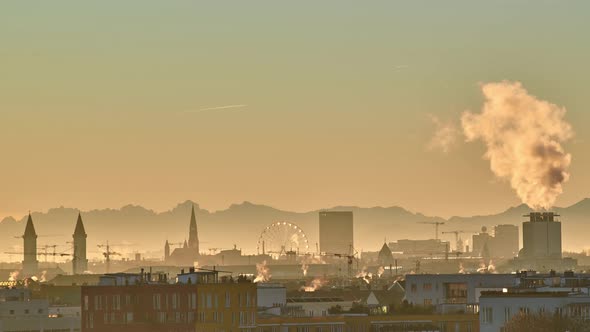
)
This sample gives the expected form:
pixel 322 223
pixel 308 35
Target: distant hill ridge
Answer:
pixel 241 224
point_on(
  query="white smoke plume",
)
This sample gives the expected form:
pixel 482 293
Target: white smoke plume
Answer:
pixel 304 268
pixel 461 268
pixel 523 136
pixel 13 276
pixel 263 272
pixel 43 277
pixel 314 285
pixel 380 271
pixel 364 275
pixel 445 135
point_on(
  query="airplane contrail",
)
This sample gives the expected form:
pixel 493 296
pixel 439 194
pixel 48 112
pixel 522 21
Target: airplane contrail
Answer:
pixel 218 108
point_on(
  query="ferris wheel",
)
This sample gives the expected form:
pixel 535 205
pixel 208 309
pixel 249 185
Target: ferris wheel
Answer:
pixel 282 238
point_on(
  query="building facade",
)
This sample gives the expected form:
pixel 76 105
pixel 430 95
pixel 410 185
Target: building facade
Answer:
pixel 453 292
pixel 541 236
pixel 498 308
pixel 336 232
pixel 198 301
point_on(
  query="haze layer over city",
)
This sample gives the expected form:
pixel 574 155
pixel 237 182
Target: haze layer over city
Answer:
pixel 302 166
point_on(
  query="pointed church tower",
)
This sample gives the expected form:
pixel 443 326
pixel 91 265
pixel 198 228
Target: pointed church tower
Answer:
pixel 166 251
pixel 79 261
pixel 30 263
pixel 193 235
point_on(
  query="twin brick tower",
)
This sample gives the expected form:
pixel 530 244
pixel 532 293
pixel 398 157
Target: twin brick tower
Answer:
pixel 79 261
pixel 30 262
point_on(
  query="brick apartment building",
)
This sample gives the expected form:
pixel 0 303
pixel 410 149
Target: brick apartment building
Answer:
pixel 138 302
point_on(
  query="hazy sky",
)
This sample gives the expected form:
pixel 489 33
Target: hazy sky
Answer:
pixel 114 102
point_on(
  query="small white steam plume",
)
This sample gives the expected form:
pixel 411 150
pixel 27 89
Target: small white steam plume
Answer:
pixel 364 275
pixel 13 276
pixel 445 135
pixel 490 268
pixel 263 272
pixel 314 285
pixel 461 268
pixel 43 277
pixel 304 268
pixel 523 136
pixel 380 271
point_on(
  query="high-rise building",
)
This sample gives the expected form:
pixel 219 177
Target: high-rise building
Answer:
pixel 336 232
pixel 79 261
pixel 506 241
pixel 193 235
pixel 30 262
pixel 541 236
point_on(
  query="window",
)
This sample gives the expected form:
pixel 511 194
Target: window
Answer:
pixel 85 302
pixel 427 302
pixel 414 288
pixel 157 302
pixel 12 312
pixel 427 287
pixel 193 300
pixel 506 314
pixel 40 311
pixel 97 303
pixel 487 315
pixel 209 305
pixel 227 300
pixel 116 302
pixel 26 311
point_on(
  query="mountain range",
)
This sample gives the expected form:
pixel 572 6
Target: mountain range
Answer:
pixel 134 228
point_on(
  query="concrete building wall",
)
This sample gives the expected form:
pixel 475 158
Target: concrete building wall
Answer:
pixel 541 239
pixel 506 241
pixel 439 289
pixel 495 311
pixel 336 232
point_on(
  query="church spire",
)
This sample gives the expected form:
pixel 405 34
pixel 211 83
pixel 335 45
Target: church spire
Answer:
pixel 166 251
pixel 79 260
pixel 30 263
pixel 79 227
pixel 193 235
pixel 30 228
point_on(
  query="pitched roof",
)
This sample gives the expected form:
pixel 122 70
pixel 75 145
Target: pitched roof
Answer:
pixel 30 228
pixel 385 255
pixel 79 226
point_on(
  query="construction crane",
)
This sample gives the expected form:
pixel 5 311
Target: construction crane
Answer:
pixel 46 247
pixel 436 224
pixel 59 254
pixel 350 259
pixel 107 253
